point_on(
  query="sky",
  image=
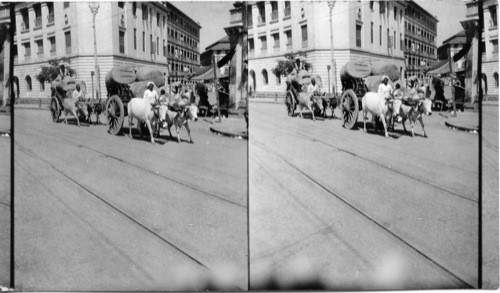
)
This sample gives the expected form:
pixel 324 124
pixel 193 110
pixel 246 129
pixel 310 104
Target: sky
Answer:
pixel 212 16
pixel 449 13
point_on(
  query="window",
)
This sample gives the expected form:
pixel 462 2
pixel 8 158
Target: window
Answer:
pixel 304 36
pixel 278 79
pixel 121 4
pixel 28 83
pixel 251 46
pixel 394 40
pixel 380 35
pixel 382 6
pixel 157 46
pixel 135 39
pixel 274 10
pixel 122 42
pixel 262 13
pixel 42 86
pixel 395 13
pixel 134 8
pixel 371 5
pixel 66 4
pixel 288 37
pixel 144 12
pixel 358 36
pixel 389 45
pixel 264 76
pixel 157 19
pixel 371 32
pixel 39 45
pixel 263 41
pixel 495 76
pixel 67 37
pixel 164 49
pixel 52 41
pixel 493 16
pixel 400 41
pixel 151 45
pixel 143 42
pixel 276 39
pixel 288 10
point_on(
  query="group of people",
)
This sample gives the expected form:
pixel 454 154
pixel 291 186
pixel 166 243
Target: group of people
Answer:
pixel 397 96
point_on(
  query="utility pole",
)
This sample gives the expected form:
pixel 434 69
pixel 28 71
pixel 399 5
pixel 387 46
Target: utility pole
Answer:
pixel 331 5
pixel 94 8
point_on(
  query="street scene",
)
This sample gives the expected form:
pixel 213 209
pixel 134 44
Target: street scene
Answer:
pixel 130 154
pixel 365 145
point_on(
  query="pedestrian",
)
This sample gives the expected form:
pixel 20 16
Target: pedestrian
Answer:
pixel 312 87
pixel 398 99
pixel 202 93
pixel 385 89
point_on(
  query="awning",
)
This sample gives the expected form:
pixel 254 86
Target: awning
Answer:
pixel 207 75
pixel 442 69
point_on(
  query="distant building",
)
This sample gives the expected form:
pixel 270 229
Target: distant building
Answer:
pixel 452 46
pixel 218 49
pixel 152 34
pixel 420 39
pixel 369 30
pixel 489 45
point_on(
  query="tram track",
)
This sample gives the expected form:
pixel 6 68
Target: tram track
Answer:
pixel 378 224
pixel 375 163
pixel 110 205
pixel 149 171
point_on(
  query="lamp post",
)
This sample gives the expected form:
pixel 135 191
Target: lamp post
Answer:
pixel 331 5
pixel 94 8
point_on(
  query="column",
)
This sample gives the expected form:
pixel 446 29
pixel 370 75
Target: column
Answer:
pixel 6 63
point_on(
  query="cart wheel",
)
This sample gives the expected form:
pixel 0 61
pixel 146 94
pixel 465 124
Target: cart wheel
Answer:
pixel 290 103
pixel 55 110
pixel 115 114
pixel 350 108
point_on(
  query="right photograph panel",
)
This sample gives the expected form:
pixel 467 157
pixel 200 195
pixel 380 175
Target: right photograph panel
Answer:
pixel 365 142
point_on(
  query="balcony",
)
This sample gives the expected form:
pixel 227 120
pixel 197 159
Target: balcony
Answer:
pixel 493 57
pixel 50 19
pixel 38 22
pixel 287 12
pixel 274 16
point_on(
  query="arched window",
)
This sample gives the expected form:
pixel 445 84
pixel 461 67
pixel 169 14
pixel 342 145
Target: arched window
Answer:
pixel 42 86
pixel 28 83
pixel 485 84
pixel 264 76
pixel 495 76
pixel 278 79
pixel 253 82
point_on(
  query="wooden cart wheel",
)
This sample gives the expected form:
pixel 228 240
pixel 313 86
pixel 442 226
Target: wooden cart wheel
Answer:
pixel 350 108
pixel 115 114
pixel 55 110
pixel 290 103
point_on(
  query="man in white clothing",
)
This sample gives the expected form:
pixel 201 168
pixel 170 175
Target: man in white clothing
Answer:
pixel 150 94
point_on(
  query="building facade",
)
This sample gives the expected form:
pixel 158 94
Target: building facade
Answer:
pixel 420 40
pixel 218 50
pixel 489 45
pixel 368 30
pixel 139 34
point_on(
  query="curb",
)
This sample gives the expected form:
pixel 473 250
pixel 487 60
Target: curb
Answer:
pixel 242 135
pixel 462 128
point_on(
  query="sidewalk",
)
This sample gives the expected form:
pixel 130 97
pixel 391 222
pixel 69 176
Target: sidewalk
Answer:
pixel 235 127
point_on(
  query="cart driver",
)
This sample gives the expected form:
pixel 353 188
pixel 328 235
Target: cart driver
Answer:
pixel 398 100
pixel 175 101
pixel 150 94
pixel 385 89
pixel 78 94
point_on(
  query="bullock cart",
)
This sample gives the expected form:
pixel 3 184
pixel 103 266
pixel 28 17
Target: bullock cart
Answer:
pixel 122 84
pixel 357 78
pixel 296 84
pixel 60 89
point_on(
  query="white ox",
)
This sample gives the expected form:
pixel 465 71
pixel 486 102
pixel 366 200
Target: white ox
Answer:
pixel 142 110
pixel 179 119
pixel 73 106
pixel 377 106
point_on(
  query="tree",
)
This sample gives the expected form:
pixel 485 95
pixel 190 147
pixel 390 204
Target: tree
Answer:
pixel 49 73
pixel 285 66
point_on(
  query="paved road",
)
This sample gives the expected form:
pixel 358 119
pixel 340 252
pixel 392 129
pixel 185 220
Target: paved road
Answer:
pixel 362 211
pixel 102 212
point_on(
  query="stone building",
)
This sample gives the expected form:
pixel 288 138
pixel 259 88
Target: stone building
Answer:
pixel 369 30
pixel 152 34
pixel 420 39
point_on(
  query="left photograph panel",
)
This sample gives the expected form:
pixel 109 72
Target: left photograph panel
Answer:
pixel 130 146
